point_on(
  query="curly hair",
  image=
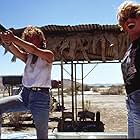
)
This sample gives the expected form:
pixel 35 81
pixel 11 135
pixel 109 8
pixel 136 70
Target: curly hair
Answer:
pixel 32 30
pixel 127 9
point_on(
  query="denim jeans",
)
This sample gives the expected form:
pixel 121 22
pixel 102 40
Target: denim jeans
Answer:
pixel 35 101
pixel 133 107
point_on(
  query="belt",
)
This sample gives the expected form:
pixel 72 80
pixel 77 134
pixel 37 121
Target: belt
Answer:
pixel 40 89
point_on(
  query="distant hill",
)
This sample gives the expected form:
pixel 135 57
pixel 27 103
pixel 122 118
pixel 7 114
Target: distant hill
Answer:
pixel 105 85
pixel 67 83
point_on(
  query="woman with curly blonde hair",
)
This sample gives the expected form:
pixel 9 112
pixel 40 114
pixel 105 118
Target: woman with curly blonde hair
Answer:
pixel 129 21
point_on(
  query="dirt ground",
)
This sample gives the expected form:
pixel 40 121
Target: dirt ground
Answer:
pixel 112 109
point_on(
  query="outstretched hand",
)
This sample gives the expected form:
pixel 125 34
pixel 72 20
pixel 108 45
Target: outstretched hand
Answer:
pixel 7 37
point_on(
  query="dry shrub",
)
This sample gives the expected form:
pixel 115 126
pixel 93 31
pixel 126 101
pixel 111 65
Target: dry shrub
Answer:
pixel 16 119
pixel 114 90
pixel 87 105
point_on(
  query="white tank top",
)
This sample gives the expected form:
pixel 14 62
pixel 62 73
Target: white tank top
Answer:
pixel 38 74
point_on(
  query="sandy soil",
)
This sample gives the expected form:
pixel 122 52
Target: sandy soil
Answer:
pixel 111 107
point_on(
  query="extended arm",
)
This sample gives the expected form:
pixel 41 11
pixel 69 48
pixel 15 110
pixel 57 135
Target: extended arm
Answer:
pixel 15 43
pixel 12 47
pixel 31 48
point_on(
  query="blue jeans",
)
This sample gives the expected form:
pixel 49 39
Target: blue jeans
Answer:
pixel 35 101
pixel 133 107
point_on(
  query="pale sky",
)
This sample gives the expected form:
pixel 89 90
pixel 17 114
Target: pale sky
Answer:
pixel 21 13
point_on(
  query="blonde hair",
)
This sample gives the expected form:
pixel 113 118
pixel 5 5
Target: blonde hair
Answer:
pixel 32 30
pixel 125 10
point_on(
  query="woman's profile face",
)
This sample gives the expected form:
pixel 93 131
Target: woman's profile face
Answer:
pixel 35 39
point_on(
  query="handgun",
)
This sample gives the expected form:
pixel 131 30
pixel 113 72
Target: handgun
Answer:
pixel 2 28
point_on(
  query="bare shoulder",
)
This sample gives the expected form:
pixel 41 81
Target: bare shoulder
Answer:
pixel 47 54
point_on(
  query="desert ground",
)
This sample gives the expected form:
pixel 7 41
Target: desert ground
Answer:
pixel 111 107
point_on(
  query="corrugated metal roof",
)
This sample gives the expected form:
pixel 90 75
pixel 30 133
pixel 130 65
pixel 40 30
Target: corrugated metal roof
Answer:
pixel 80 28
